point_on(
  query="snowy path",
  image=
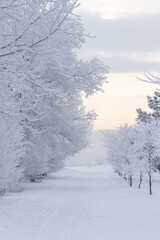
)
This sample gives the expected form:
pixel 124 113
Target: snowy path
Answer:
pixel 80 204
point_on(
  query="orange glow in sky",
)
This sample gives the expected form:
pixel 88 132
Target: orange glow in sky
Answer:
pixel 123 95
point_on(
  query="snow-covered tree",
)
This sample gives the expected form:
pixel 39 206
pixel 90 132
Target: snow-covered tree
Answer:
pixel 38 44
pixel 154 105
pixel 145 117
pixel 148 148
pixel 134 151
pixel 11 145
pixel 120 151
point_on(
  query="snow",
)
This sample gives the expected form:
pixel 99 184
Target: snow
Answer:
pixel 81 203
pixel 94 154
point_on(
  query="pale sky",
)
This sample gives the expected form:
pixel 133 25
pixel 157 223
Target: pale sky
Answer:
pixel 128 41
pixel 116 9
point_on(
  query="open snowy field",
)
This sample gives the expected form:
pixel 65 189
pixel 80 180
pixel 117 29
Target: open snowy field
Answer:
pixel 81 203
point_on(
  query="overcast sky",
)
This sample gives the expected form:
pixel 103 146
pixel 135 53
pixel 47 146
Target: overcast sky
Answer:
pixel 128 33
pixel 128 41
pixel 116 9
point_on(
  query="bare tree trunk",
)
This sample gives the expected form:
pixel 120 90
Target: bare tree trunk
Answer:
pixel 130 181
pixel 125 178
pixel 140 180
pixel 150 183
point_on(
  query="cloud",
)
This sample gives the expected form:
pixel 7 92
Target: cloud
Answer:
pixel 133 34
pixel 131 44
pixel 113 9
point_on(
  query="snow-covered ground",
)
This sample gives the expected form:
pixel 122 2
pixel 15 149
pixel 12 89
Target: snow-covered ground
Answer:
pixel 81 203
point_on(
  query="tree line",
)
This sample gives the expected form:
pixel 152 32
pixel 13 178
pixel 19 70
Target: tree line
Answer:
pixel 134 151
pixel 43 119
